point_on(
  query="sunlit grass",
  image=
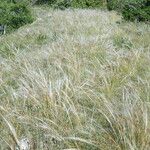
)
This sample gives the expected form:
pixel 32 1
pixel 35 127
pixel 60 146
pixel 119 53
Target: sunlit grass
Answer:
pixel 76 79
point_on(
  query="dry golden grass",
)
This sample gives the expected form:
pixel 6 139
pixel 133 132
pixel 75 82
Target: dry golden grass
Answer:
pixel 76 80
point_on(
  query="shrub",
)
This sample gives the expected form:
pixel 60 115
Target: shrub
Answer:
pixel 88 3
pixel 45 1
pixel 131 9
pixel 62 4
pixel 139 11
pixel 115 4
pixel 73 3
pixel 14 15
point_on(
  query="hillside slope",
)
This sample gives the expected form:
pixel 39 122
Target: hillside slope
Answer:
pixel 76 79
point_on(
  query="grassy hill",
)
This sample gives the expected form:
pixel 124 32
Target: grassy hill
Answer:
pixel 76 79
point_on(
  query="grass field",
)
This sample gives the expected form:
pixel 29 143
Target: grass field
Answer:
pixel 76 80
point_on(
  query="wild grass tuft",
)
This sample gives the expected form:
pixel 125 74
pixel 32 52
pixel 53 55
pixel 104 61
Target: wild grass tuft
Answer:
pixel 76 79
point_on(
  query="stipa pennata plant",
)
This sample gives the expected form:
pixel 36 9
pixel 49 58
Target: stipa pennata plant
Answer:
pixel 75 79
pixel 128 127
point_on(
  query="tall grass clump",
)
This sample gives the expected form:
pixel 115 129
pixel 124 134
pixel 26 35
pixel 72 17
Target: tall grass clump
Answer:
pixel 75 79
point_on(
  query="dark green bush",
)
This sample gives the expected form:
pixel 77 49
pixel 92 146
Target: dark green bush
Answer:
pixel 131 9
pixel 14 14
pixel 139 11
pixel 74 3
pixel 62 4
pixel 115 4
pixel 88 3
pixel 50 2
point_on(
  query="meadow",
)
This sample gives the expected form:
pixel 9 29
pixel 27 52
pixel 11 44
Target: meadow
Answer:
pixel 77 79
